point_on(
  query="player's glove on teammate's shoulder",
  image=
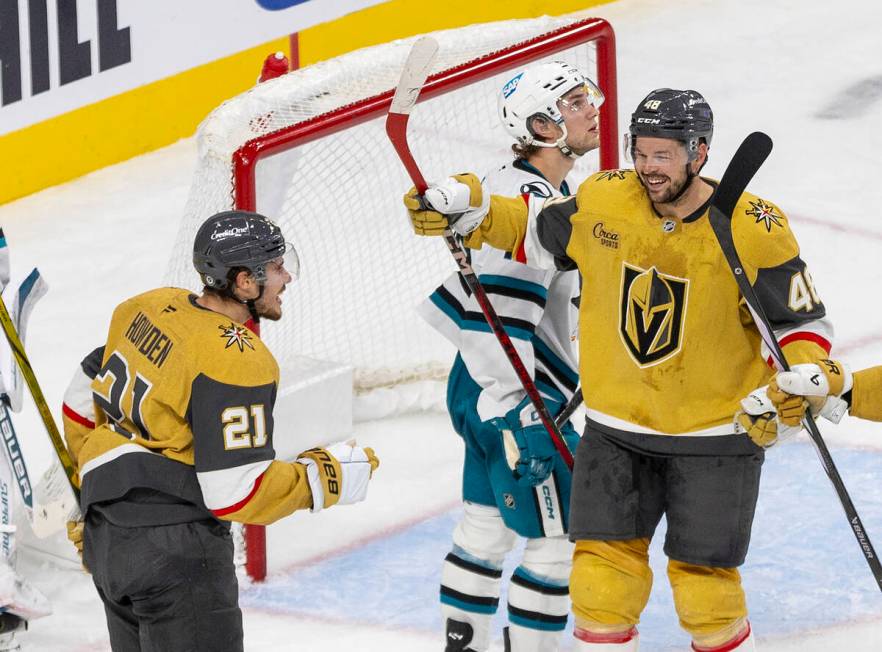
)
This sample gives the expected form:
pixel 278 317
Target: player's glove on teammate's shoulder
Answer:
pixel 765 424
pixel 458 202
pixel 822 384
pixel 529 450
pixel 338 474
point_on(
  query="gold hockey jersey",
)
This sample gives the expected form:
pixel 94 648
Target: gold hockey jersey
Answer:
pixel 183 402
pixel 667 345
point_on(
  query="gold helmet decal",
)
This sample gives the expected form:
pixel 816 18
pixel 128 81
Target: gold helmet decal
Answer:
pixel 653 311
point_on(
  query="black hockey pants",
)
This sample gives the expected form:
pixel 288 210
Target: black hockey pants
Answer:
pixel 167 588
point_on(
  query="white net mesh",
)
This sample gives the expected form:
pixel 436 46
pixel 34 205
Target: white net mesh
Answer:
pixel 338 198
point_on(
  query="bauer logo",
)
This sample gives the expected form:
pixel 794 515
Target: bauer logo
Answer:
pixel 512 84
pixel 276 5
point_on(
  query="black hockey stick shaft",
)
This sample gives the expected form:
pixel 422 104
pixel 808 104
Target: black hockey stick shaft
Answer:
pixel 412 79
pixel 568 409
pixel 744 165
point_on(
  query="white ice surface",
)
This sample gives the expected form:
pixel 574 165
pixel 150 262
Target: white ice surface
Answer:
pixel 808 73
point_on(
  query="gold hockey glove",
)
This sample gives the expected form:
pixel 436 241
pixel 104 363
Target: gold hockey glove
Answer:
pixel 821 383
pixel 760 420
pixel 459 202
pixel 338 474
pixel 75 536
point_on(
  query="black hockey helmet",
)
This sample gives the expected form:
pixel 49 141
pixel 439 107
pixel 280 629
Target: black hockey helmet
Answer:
pixel 669 113
pixel 233 240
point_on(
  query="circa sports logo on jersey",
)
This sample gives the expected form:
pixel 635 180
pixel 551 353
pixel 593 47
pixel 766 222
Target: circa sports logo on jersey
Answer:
pixel 607 237
pixel 653 310
pixel 764 212
pixel 237 335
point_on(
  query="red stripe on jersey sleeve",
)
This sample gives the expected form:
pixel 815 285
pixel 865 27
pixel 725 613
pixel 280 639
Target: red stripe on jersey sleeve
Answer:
pixel 76 417
pixel 521 255
pixel 237 506
pixel 823 342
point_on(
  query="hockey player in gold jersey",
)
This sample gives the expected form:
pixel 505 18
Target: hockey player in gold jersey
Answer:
pixel 667 350
pixel 183 443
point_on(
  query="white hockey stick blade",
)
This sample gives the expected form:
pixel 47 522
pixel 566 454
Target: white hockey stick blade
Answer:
pixel 54 503
pixel 416 70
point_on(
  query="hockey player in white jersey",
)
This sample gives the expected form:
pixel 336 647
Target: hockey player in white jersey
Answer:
pixel 551 109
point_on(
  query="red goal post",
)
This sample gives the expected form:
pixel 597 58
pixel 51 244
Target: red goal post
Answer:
pixel 596 30
pixel 309 150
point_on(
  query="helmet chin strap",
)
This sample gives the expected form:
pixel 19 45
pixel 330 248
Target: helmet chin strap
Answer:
pixel 560 143
pixel 690 175
pixel 251 304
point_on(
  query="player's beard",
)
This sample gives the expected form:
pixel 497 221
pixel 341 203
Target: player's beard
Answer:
pixel 674 189
pixel 269 309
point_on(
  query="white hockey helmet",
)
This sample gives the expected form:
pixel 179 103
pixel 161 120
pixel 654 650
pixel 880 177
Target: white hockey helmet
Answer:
pixel 537 91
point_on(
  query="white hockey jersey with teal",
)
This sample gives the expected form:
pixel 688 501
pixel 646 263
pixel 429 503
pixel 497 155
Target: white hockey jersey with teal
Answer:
pixel 539 309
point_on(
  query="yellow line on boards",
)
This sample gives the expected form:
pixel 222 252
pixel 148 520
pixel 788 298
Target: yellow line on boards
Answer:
pixel 125 125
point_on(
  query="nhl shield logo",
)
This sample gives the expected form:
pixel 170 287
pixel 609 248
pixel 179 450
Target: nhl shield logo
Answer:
pixel 653 307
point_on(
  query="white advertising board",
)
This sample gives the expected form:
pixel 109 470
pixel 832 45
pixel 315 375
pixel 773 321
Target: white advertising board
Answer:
pixel 59 55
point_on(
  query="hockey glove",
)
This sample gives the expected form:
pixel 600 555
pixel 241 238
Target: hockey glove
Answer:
pixel 338 474
pixel 458 202
pixel 75 536
pixel 760 420
pixel 822 384
pixel 529 450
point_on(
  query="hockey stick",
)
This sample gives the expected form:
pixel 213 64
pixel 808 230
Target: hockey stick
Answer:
pixel 28 372
pixel 744 165
pixel 416 70
pixel 568 409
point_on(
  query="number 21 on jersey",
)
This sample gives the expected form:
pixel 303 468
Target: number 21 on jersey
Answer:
pixel 120 394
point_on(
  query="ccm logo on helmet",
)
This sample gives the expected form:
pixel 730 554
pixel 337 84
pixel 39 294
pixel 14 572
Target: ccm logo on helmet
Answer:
pixel 649 121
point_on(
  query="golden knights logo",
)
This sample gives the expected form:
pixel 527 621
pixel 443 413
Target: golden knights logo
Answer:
pixel 653 310
pixel 612 174
pixel 764 212
pixel 236 335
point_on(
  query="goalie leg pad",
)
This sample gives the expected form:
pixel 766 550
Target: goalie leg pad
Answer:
pixel 538 596
pixel 709 601
pixel 471 576
pixel 610 583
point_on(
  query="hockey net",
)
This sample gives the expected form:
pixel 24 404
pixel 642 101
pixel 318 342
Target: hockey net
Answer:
pixel 309 150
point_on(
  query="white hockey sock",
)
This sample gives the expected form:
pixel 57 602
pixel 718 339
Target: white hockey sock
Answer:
pixel 537 612
pixel 469 594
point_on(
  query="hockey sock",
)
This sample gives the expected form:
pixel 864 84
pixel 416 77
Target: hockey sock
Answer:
pixel 469 595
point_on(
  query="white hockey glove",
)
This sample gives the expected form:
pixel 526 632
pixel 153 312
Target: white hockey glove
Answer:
pixel 822 384
pixel 759 419
pixel 459 202
pixel 338 474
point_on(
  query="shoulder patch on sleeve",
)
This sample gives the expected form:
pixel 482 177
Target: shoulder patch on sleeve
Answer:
pixel 611 175
pixel 761 233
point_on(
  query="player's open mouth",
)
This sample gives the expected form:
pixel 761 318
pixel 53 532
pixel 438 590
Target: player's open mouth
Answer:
pixel 655 182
